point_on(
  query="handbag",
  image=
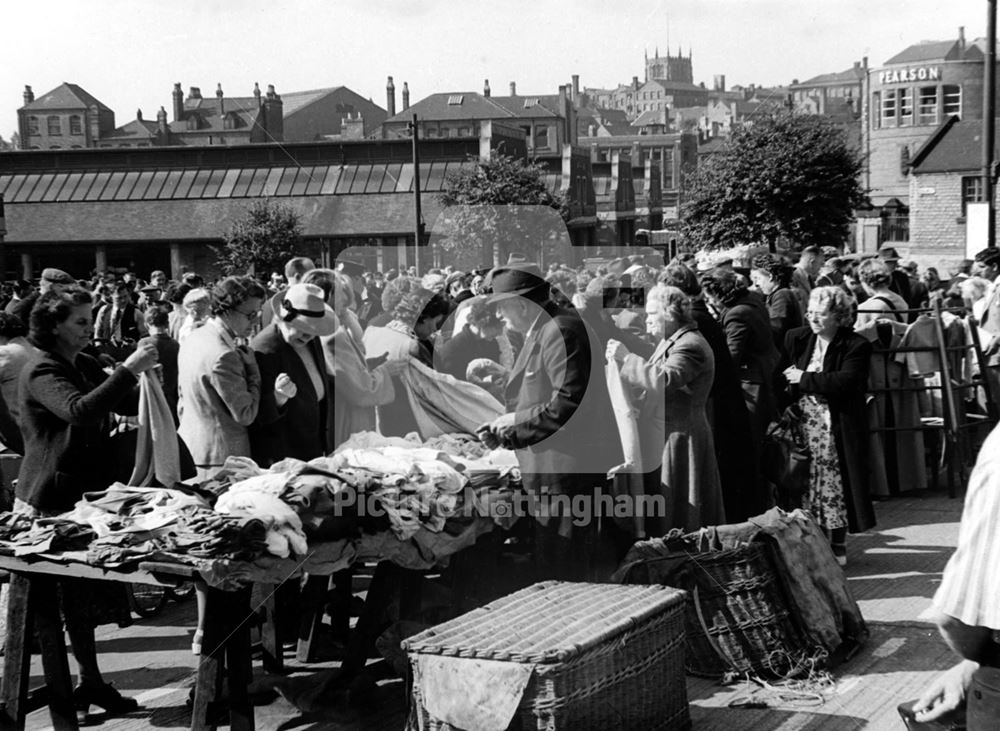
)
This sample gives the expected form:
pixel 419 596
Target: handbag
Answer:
pixel 786 457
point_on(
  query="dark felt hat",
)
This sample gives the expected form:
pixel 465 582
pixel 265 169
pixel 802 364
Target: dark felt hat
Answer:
pixel 522 279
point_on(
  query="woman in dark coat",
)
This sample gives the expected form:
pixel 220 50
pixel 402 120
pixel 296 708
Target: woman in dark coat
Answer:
pixel 772 276
pixel 747 326
pixel 743 493
pixel 66 400
pixel 827 378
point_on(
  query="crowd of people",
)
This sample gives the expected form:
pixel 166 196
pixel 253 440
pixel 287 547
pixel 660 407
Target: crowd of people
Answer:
pixel 709 356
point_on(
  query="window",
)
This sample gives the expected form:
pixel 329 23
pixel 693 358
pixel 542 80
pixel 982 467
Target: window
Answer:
pixel 32 125
pixel 952 100
pixel 455 100
pixel 972 191
pixel 54 125
pixel 877 106
pixel 927 105
pixel 906 107
pixel 889 108
pixel 75 125
pixel 528 103
pixel 541 137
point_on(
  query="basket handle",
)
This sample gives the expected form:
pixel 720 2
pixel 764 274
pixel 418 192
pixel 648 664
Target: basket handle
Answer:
pixel 728 661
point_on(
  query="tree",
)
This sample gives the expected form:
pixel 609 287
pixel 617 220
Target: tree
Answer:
pixel 785 177
pixel 267 236
pixel 496 206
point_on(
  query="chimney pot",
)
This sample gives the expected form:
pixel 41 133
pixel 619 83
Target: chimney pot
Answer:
pixel 222 103
pixel 635 83
pixel 513 88
pixel 486 88
pixel 576 86
pixel 195 93
pixel 29 95
pixel 390 97
pixel 406 97
pixel 138 114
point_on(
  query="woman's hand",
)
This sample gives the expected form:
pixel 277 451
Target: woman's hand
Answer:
pixel 793 375
pixel 284 389
pixel 142 359
pixel 616 351
pixel 946 693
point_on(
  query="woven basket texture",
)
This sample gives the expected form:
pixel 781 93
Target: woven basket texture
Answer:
pixel 607 656
pixel 737 617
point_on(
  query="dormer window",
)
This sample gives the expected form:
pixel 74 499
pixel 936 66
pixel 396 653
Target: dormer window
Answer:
pixel 532 102
pixel 455 100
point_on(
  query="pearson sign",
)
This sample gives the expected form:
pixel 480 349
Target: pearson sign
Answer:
pixel 914 73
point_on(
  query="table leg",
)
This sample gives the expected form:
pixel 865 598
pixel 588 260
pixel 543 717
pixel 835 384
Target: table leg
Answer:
pixel 311 606
pixel 17 654
pixel 225 646
pixel 45 611
pixel 272 656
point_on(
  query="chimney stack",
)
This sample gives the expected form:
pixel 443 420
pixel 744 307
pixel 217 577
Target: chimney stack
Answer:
pixel 513 88
pixel 161 125
pixel 406 97
pixel 635 83
pixel 390 97
pixel 486 88
pixel 270 92
pixel 222 103
pixel 178 96
pixel 720 82
pixel 256 93
pixel 195 92
pixel 576 87
pixel 961 37
pixel 29 95
pixel 138 114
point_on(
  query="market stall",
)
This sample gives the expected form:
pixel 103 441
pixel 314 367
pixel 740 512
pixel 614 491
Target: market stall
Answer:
pixel 400 502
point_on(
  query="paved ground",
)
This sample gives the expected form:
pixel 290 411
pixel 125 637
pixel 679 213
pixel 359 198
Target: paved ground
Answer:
pixel 893 572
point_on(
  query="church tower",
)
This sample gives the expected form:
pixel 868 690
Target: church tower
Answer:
pixel 670 68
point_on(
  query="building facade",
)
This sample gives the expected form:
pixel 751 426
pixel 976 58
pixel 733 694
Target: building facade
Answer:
pixel 909 97
pixel 65 118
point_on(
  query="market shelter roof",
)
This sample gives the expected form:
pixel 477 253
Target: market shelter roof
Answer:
pixel 208 220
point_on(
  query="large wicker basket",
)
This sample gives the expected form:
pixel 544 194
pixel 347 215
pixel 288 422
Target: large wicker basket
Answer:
pixel 737 617
pixel 603 655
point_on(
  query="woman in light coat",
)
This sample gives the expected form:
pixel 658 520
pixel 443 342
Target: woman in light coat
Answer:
pixel 218 380
pixel 674 385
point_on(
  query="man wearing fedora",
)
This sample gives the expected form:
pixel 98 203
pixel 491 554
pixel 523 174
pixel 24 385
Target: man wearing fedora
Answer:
pixel 559 419
pixel 296 418
pixel 295 269
pixel 900 283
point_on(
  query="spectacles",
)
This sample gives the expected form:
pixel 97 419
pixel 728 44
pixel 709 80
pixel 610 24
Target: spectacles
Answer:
pixel 815 313
pixel 252 315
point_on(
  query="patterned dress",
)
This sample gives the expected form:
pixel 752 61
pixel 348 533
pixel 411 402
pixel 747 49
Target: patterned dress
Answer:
pixel 825 499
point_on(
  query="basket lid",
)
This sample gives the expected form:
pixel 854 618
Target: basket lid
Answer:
pixel 545 623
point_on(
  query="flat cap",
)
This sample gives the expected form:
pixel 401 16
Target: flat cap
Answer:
pixel 57 276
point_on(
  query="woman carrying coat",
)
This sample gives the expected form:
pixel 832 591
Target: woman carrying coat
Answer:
pixel 66 401
pixel 675 382
pixel 827 378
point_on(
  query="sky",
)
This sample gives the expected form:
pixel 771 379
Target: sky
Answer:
pixel 129 53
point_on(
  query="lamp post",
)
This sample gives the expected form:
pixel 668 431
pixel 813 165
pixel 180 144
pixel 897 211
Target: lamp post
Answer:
pixel 418 226
pixel 989 123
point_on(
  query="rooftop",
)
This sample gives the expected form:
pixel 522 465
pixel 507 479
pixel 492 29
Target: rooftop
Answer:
pixel 65 96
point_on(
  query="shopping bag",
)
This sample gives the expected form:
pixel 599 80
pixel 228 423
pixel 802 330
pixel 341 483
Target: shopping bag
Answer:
pixel 785 457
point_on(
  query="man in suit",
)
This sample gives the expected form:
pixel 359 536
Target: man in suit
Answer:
pixel 295 269
pixel 295 420
pixel 559 419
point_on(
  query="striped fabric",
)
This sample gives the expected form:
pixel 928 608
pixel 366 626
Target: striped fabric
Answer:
pixel 970 586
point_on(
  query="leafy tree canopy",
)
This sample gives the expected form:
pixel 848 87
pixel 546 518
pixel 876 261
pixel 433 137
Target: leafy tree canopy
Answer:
pixel 786 177
pixel 496 206
pixel 267 236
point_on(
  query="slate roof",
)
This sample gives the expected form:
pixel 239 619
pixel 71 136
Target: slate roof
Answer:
pixel 65 96
pixel 476 106
pixel 927 51
pixel 677 85
pixel 954 147
pixel 136 129
pixel 650 117
pixel 850 75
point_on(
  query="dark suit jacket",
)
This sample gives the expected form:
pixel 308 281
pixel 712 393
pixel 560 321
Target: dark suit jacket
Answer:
pixel 565 431
pixel 303 427
pixel 65 410
pixel 843 382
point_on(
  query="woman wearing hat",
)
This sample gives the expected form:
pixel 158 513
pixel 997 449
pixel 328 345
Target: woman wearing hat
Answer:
pixel 296 418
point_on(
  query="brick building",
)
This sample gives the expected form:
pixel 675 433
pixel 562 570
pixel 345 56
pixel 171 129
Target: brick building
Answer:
pixel 68 117
pixel 547 120
pixel 831 94
pixel 945 176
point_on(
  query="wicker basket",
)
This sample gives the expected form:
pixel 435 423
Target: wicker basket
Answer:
pixel 604 655
pixel 737 617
